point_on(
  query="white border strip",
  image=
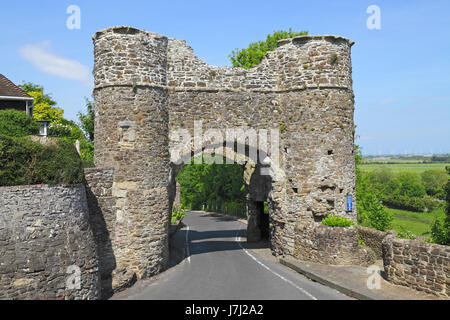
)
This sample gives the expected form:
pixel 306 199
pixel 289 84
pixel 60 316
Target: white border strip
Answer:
pixel 188 253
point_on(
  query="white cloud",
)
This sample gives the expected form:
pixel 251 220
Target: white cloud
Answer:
pixel 40 56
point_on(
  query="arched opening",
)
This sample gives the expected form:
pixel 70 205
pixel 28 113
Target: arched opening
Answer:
pixel 244 194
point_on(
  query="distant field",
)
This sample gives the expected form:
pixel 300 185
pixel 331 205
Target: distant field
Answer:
pixel 411 167
pixel 419 223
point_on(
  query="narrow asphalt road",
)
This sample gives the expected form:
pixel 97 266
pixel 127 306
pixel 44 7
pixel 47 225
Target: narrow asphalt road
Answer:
pixel 217 267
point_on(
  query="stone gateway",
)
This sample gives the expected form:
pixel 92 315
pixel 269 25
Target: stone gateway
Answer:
pixel 148 86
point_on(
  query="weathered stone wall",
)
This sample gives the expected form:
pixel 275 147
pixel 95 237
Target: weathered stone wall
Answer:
pixel 102 217
pixel 373 239
pixel 419 265
pixel 147 86
pixel 177 200
pixel 324 61
pixel 330 245
pixel 299 90
pixel 44 230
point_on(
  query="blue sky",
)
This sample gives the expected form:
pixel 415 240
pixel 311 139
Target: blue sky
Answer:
pixel 401 73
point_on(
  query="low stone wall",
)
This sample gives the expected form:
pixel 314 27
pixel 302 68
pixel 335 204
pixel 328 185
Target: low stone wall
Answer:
pixel 102 216
pixel 373 239
pixel 329 245
pixel 419 265
pixel 103 199
pixel 45 240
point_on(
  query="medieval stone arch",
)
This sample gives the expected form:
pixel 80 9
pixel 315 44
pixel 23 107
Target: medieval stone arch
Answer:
pixel 260 177
pixel 148 85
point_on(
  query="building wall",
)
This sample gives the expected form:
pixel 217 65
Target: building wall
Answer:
pixel 43 231
pixel 16 105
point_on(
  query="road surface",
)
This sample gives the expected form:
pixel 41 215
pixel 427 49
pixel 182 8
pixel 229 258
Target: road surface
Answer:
pixel 218 267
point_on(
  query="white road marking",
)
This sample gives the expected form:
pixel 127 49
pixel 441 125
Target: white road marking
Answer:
pixel 188 253
pixel 238 240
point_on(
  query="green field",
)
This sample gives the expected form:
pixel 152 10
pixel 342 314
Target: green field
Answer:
pixel 419 223
pixel 410 167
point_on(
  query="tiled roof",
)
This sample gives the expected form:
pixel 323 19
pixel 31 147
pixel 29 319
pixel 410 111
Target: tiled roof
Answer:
pixel 9 89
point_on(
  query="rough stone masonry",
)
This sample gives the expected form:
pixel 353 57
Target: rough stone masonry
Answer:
pixel 46 243
pixel 148 85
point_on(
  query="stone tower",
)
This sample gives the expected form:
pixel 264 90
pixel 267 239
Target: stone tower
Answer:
pixel 131 128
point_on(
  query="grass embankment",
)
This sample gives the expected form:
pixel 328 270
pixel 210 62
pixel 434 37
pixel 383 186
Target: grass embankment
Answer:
pixel 419 223
pixel 399 167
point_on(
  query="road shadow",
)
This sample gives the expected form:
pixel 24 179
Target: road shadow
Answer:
pixel 220 217
pixel 104 250
pixel 216 234
pixel 177 248
pixel 201 242
pixel 263 244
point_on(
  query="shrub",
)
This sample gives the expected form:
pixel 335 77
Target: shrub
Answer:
pixel 439 233
pixel 233 208
pixel 253 55
pixel 17 124
pixel 59 130
pixel 434 181
pixel 60 163
pixel 405 234
pixel 410 184
pixel 430 203
pixel 24 162
pixel 337 221
pixel 440 230
pixel 378 217
pixel 68 130
pixel 415 204
pixel 371 212
pixel 361 242
pixel 87 154
pixel 178 214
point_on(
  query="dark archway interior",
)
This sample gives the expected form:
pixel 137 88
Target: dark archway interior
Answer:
pixel 253 201
pixel 263 218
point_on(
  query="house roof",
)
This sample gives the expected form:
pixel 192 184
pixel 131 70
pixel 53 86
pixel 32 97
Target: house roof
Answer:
pixel 9 89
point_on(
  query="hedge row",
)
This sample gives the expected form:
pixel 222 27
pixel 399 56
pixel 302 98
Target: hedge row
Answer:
pixel 24 162
pixel 17 124
pixel 410 203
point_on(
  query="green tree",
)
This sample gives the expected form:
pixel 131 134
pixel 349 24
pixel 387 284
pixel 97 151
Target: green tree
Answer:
pixel 44 109
pixel 87 120
pixel 217 184
pixel 381 178
pixel 44 105
pixel 440 230
pixel 31 87
pixel 371 212
pixel 410 185
pixel 434 181
pixel 253 55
